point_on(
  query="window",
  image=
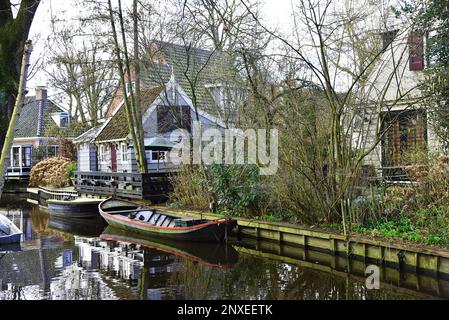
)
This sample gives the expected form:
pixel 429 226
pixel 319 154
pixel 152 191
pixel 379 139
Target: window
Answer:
pixel 26 156
pixel 388 37
pixel 405 132
pixel 170 118
pixel 158 156
pixel 15 158
pixel 52 151
pixel 416 52
pixel 103 153
pixel 124 152
pixel 64 119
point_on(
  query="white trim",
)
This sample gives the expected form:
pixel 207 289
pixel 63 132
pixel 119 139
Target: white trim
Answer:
pixel 27 138
pixel 108 141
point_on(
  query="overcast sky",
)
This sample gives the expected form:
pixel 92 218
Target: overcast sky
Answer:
pixel 276 12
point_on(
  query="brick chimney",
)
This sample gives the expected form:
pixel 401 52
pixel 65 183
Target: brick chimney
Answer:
pixel 41 93
pixel 41 98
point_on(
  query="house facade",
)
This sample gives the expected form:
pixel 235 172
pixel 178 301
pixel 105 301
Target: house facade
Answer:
pixel 402 125
pixel 33 133
pixel 167 104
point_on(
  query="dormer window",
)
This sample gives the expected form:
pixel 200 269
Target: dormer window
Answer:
pixel 63 119
pixel 218 93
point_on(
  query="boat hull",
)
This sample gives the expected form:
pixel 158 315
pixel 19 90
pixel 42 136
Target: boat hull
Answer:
pixel 73 210
pixel 13 235
pixel 12 238
pixel 214 232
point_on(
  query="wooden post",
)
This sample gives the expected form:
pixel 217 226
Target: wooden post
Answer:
pixel 15 114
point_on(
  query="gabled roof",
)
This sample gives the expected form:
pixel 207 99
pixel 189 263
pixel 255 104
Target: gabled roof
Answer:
pixel 89 135
pixel 192 67
pixel 117 126
pixel 30 123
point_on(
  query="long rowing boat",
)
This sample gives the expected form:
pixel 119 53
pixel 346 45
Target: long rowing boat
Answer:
pixel 74 208
pixel 133 217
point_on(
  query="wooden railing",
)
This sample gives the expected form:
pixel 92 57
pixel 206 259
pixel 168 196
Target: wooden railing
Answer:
pixel 18 172
pixel 152 186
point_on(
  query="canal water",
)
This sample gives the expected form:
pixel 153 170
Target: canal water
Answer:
pixel 85 259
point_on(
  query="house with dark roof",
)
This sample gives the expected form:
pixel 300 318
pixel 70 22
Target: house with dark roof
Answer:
pixel 32 133
pixel 178 86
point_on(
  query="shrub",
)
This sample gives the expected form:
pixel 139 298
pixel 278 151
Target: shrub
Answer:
pixel 189 188
pixel 230 189
pixel 50 172
pixel 418 211
pixel 71 168
pixel 236 188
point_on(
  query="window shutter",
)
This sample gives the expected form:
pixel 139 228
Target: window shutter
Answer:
pixel 416 52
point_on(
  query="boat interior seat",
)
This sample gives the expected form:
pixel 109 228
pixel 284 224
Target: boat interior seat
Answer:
pixel 162 220
pixel 166 222
pixel 171 223
pixel 154 218
pixel 150 215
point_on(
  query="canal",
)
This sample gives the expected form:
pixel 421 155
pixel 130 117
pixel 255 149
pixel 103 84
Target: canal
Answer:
pixel 84 259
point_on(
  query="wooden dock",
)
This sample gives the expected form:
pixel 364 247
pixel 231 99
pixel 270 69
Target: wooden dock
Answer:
pixel 153 186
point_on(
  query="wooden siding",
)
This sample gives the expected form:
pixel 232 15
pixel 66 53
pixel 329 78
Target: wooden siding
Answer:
pixel 84 157
pixel 93 158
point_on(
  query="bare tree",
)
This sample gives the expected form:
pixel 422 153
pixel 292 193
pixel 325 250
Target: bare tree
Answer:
pixel 83 73
pixel 330 44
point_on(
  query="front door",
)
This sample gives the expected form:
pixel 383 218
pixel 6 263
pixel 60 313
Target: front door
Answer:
pixel 113 158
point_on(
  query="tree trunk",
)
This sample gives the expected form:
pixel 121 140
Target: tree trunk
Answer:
pixel 13 34
pixel 134 122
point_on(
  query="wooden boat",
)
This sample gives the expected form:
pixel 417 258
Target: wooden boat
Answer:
pixel 211 254
pixel 74 208
pixel 9 233
pixel 133 217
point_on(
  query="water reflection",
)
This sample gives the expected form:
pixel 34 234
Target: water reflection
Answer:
pixel 72 259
